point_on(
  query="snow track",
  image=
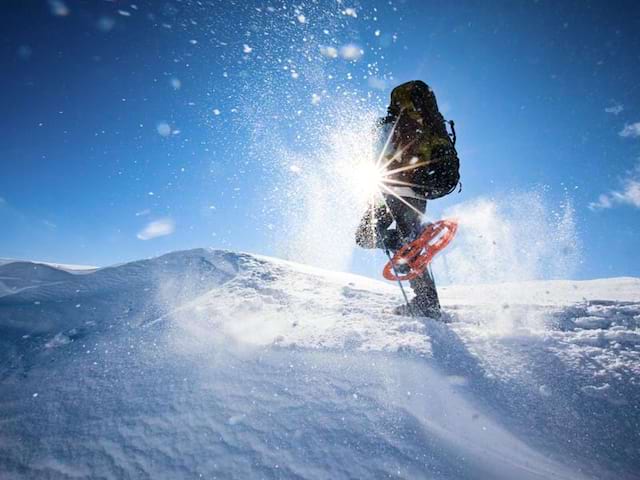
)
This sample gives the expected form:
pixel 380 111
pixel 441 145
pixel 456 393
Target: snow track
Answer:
pixel 237 366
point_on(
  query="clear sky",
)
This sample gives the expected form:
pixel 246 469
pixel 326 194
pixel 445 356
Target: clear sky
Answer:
pixel 133 128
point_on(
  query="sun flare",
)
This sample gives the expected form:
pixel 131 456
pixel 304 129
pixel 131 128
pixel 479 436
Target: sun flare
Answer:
pixel 367 179
pixel 373 175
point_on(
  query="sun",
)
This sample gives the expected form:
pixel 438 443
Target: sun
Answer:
pixel 367 178
pixel 370 167
pixel 377 178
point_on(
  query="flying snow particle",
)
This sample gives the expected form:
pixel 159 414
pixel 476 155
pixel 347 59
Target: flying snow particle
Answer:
pixel 24 52
pixel 302 18
pixel 157 228
pixel 350 12
pixel 176 83
pixel 216 111
pixel 615 109
pixel 295 75
pixel 315 99
pixel 351 52
pixel 106 24
pixel 59 8
pixel 630 130
pixel 329 52
pixel 295 169
pixel 377 33
pixel 124 13
pixel 246 48
pixel 193 41
pixel 377 83
pixel 164 129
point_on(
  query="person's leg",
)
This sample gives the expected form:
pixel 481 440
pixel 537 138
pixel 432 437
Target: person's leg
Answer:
pixel 372 230
pixel 409 225
pixel 366 235
pixel 408 218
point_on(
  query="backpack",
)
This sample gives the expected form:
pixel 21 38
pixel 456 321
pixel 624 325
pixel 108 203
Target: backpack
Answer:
pixel 426 157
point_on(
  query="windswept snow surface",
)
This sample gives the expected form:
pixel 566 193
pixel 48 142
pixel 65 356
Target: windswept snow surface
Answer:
pixel 223 365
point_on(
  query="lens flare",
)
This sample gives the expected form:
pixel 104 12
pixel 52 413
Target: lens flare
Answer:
pixel 366 178
pixel 371 179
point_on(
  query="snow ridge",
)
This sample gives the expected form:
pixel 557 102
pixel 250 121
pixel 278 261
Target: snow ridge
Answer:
pixel 219 363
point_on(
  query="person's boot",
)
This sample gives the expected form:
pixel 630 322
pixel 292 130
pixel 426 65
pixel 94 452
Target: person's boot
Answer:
pixel 426 294
pixel 418 308
pixel 426 302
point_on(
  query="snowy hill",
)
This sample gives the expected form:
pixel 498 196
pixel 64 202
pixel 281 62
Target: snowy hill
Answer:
pixel 223 365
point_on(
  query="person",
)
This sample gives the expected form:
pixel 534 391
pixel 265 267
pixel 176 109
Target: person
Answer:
pixel 420 163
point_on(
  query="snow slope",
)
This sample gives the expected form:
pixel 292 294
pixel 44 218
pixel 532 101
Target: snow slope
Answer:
pixel 223 365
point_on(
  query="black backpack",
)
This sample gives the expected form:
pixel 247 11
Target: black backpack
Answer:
pixel 429 161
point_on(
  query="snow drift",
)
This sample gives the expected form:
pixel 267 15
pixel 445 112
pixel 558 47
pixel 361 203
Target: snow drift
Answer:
pixel 224 365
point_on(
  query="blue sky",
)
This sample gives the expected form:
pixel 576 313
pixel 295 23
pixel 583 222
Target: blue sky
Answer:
pixel 130 129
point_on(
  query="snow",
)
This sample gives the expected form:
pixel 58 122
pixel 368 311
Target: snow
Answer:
pixel 163 129
pixel 59 8
pixel 351 52
pixel 59 266
pixel 229 365
pixel 157 228
pixel 329 52
pixel 350 12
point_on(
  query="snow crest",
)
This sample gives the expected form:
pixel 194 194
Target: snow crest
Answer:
pixel 214 363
